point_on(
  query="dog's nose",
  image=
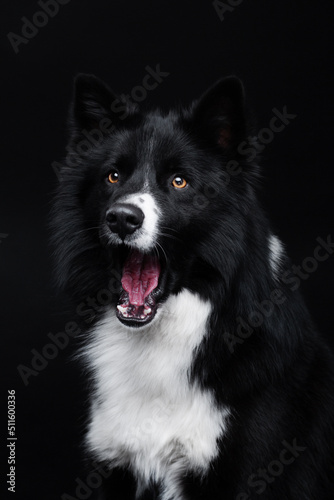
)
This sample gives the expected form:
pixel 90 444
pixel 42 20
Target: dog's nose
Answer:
pixel 124 219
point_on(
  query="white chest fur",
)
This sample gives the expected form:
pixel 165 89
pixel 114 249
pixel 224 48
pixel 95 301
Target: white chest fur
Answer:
pixel 145 413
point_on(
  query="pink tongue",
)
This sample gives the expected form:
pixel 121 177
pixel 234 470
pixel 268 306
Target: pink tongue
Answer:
pixel 140 276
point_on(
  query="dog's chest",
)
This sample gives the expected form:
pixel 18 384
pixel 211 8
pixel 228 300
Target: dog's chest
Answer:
pixel 146 414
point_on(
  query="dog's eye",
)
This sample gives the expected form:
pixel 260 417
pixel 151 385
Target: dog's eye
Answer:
pixel 179 182
pixel 113 177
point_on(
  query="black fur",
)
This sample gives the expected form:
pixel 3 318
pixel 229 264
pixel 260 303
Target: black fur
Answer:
pixel 278 379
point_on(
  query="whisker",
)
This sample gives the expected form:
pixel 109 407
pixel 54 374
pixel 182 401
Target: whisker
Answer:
pixel 85 230
pixel 165 255
pixel 156 251
pixel 169 236
pixel 169 228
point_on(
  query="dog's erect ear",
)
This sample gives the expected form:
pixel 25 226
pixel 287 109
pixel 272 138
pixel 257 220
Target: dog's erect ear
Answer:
pixel 94 102
pixel 220 114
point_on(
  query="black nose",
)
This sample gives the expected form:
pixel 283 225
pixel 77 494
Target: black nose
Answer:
pixel 124 219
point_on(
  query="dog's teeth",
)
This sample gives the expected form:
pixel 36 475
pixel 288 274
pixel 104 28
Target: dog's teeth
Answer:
pixel 147 311
pixel 122 309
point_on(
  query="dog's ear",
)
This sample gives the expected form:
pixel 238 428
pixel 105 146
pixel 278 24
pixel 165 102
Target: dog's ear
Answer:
pixel 95 105
pixel 220 113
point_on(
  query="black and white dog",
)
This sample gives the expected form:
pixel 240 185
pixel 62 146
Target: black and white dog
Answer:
pixel 210 380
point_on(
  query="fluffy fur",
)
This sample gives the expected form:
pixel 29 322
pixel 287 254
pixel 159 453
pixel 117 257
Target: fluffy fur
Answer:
pixel 153 414
pixel 223 389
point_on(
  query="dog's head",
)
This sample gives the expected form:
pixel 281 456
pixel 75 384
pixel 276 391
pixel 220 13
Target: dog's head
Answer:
pixel 159 197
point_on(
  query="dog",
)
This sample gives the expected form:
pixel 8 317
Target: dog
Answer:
pixel 209 379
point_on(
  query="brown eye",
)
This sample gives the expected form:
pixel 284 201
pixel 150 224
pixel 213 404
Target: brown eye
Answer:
pixel 113 177
pixel 179 182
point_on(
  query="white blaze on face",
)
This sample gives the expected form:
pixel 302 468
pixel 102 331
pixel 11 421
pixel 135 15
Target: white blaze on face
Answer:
pixel 145 237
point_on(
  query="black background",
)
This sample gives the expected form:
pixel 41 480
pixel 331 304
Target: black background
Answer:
pixel 282 52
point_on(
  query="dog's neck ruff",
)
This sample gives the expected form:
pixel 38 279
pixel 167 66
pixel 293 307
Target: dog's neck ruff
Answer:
pixel 146 414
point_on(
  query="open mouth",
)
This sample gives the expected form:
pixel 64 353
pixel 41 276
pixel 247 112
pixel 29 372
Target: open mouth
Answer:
pixel 138 302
